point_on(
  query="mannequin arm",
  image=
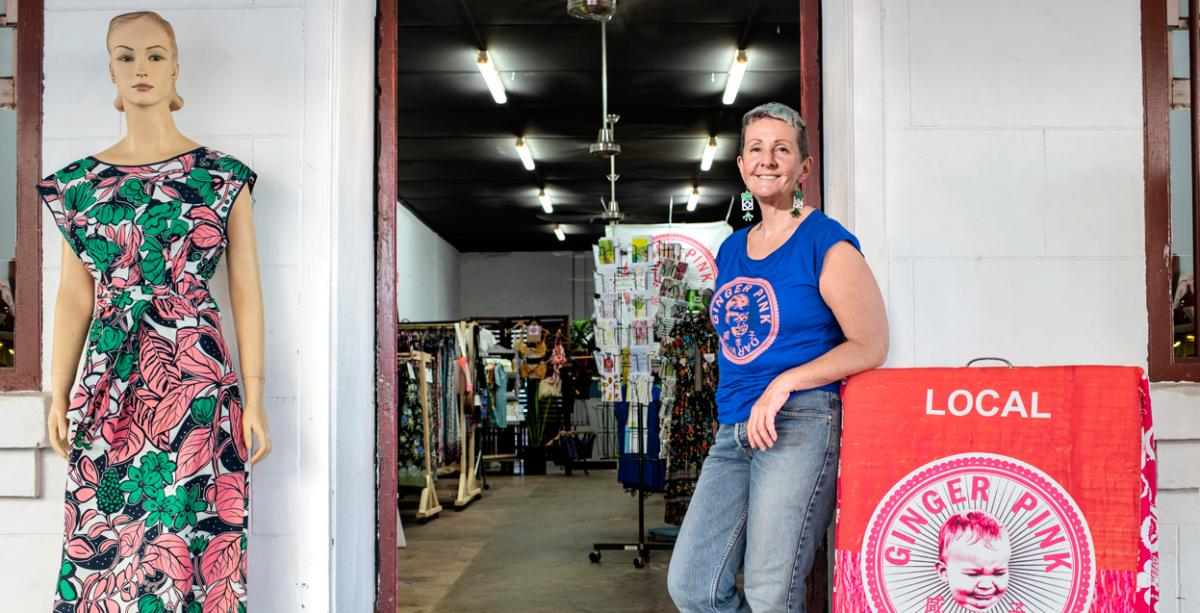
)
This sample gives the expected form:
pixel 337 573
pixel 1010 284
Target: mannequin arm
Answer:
pixel 72 317
pixel 245 292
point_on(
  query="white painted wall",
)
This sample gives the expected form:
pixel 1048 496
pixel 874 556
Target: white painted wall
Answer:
pixel 287 86
pixel 989 156
pixel 427 271
pixel 526 283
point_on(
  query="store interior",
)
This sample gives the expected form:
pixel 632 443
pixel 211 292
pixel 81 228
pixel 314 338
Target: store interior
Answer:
pixel 580 156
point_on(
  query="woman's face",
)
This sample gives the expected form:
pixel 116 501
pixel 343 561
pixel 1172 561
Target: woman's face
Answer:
pixel 770 161
pixel 142 64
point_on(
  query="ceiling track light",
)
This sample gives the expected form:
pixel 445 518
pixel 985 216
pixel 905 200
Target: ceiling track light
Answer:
pixel 544 198
pixel 710 152
pixel 593 10
pixel 736 71
pixel 491 76
pixel 558 232
pixel 523 151
pixel 693 199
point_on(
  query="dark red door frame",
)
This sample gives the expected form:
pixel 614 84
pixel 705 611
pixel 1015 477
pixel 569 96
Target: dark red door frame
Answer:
pixel 385 272
pixel 385 308
pixel 26 373
pixel 810 96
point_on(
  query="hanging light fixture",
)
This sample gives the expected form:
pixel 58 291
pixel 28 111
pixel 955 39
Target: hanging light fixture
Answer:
pixel 736 71
pixel 710 152
pixel 523 151
pixel 594 10
pixel 491 76
pixel 558 232
pixel 544 198
pixel 693 199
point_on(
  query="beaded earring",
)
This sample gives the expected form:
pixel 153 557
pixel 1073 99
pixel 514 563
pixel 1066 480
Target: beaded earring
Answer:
pixel 797 202
pixel 748 205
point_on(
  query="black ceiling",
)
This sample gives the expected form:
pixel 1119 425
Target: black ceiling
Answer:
pixel 458 167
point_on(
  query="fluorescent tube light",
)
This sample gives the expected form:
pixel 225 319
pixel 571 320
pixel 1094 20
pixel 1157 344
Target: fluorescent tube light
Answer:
pixel 710 152
pixel 523 151
pixel 544 198
pixel 736 72
pixel 558 232
pixel 491 76
pixel 693 199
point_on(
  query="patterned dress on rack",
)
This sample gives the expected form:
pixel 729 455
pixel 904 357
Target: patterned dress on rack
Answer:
pixel 692 413
pixel 157 498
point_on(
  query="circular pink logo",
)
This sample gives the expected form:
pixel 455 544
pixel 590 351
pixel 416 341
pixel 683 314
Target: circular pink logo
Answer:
pixel 702 268
pixel 978 532
pixel 746 317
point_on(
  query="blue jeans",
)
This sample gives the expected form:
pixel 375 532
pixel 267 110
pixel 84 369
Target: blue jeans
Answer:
pixel 764 511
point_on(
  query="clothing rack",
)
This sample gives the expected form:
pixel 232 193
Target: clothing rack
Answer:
pixel 642 546
pixel 429 506
pixel 466 333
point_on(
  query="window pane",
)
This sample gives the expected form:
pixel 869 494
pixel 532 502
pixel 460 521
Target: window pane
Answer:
pixel 1179 54
pixel 8 232
pixel 6 51
pixel 1183 258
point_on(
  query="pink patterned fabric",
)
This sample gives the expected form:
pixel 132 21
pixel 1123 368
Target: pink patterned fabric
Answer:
pixel 157 492
pixel 1147 574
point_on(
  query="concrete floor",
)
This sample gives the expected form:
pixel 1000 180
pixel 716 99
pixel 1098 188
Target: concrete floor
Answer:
pixel 524 547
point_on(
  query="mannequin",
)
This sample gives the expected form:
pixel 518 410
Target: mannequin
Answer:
pixel 156 432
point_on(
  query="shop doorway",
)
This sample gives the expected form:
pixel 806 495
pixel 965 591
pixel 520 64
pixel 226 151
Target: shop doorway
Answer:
pixel 453 156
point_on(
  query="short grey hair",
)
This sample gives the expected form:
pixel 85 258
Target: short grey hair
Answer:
pixel 782 112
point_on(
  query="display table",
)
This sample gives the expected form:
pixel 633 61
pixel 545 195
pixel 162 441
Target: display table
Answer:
pixel 1009 490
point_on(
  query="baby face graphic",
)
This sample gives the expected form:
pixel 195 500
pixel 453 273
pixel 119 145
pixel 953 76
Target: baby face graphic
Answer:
pixel 973 560
pixel 737 315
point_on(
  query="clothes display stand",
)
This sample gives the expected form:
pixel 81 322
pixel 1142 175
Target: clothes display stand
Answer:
pixel 429 506
pixel 464 334
pixel 642 547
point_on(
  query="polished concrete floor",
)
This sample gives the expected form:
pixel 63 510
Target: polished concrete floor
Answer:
pixel 524 547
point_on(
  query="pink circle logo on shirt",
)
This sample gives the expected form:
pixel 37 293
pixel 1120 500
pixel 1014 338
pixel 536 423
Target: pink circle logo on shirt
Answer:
pixel 978 532
pixel 746 316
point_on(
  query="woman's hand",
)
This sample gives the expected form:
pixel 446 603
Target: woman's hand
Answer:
pixel 57 427
pixel 760 428
pixel 254 422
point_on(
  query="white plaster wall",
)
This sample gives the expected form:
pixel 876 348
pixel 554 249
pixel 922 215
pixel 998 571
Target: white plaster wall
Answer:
pixel 283 85
pixel 427 271
pixel 526 283
pixel 991 153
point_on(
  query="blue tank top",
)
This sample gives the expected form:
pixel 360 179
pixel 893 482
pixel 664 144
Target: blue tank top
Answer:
pixel 769 314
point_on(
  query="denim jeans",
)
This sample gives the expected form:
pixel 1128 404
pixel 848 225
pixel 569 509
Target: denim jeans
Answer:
pixel 763 511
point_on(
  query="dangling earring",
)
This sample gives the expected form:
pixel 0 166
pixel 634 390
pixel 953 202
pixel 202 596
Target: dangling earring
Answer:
pixel 797 202
pixel 748 205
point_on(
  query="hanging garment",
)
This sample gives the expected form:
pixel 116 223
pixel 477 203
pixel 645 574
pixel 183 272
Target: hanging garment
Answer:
pixel 157 488
pixel 498 416
pixel 691 349
pixel 411 441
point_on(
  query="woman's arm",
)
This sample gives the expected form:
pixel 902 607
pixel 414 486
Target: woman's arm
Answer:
pixel 72 317
pixel 245 292
pixel 849 288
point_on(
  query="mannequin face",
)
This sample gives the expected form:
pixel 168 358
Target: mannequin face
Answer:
pixel 142 63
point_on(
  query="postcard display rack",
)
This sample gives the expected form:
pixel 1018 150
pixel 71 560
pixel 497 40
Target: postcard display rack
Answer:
pixel 640 292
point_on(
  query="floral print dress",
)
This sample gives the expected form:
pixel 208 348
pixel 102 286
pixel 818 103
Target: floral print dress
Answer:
pixel 157 491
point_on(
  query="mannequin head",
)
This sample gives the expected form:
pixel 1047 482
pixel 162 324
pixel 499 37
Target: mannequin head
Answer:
pixel 143 60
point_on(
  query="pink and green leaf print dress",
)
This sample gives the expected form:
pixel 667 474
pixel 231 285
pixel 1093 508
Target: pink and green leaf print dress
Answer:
pixel 157 491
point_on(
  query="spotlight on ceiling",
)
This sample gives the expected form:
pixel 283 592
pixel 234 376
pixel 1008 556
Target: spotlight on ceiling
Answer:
pixel 558 232
pixel 594 10
pixel 491 76
pixel 544 198
pixel 523 151
pixel 710 152
pixel 736 71
pixel 693 199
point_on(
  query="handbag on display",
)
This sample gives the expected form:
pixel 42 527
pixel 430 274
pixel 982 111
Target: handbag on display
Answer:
pixel 550 387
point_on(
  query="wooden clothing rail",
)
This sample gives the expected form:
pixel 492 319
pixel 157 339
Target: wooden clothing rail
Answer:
pixel 469 489
pixel 429 506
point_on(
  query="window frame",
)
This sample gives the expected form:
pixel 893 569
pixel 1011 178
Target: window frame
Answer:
pixel 26 372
